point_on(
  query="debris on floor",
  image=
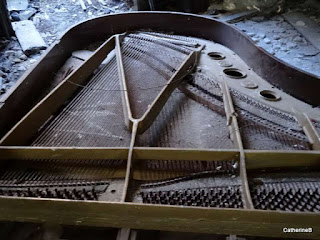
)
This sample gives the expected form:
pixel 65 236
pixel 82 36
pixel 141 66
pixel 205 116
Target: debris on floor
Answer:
pixel 270 6
pixel 305 26
pixel 17 5
pixel 281 39
pixel 13 63
pixel 29 38
pixel 23 15
pixel 51 19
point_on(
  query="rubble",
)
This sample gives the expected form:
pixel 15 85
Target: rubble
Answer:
pixel 51 19
pixel 29 38
pixel 13 63
pixel 267 40
pixel 15 16
pixel 23 15
pixel 304 25
pixel 287 43
pixel 17 5
pixel 270 6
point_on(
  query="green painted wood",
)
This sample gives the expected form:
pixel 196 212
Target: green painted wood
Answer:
pixel 159 217
pixel 268 159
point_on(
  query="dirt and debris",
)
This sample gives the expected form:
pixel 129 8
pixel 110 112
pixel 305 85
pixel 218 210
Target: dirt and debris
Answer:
pixel 306 26
pixel 270 30
pixel 283 41
pixel 270 6
pixel 23 15
pixel 29 38
pixel 52 18
pixel 17 5
pixel 13 63
pixel 280 38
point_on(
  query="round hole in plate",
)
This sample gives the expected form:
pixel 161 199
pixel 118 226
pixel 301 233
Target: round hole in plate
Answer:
pixel 113 191
pixel 216 55
pixel 270 95
pixel 234 73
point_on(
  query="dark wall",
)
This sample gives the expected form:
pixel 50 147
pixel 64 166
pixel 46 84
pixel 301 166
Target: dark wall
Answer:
pixel 192 6
pixel 5 24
